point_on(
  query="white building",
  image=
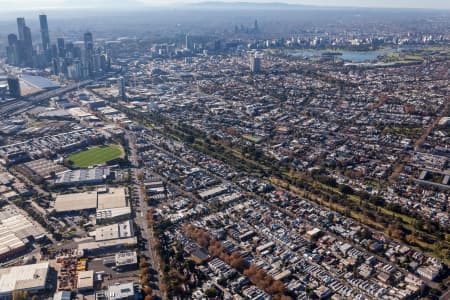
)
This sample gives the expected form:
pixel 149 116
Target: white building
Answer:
pixel 29 278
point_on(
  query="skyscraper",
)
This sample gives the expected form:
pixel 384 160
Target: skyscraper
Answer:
pixel 122 91
pixel 12 50
pixel 20 27
pixel 28 46
pixel 61 47
pixel 188 42
pixel 88 42
pixel 89 54
pixel 255 63
pixel 44 32
pixel 12 39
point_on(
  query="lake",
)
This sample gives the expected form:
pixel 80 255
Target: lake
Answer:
pixel 355 56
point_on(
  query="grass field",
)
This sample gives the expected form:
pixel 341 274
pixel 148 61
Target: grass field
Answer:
pixel 96 155
pixel 251 138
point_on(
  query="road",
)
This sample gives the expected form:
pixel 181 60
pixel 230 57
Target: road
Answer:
pixel 140 211
pixel 58 92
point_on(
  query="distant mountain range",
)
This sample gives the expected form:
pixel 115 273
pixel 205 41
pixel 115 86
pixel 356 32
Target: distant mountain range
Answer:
pixel 248 5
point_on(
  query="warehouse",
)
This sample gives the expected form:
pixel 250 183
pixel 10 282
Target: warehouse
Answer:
pixel 126 261
pixel 105 200
pixel 10 244
pixel 112 198
pixel 85 280
pixel 74 202
pixel 116 231
pixel 83 177
pixel 29 278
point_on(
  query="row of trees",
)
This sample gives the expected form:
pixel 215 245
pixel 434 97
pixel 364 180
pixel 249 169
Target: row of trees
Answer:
pixel 257 276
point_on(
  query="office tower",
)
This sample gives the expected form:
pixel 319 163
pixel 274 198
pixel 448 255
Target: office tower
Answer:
pixel 61 47
pixel 12 39
pixel 20 28
pixel 105 62
pixel 74 71
pixel 76 52
pixel 255 63
pixel 89 53
pixel 255 26
pixel 88 42
pixel 55 66
pixel 122 91
pixel 12 50
pixel 44 32
pixel 14 86
pixel 28 46
pixel 54 51
pixel 188 42
pixel 69 49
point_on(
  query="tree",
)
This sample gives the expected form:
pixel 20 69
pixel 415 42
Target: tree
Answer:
pixel 239 263
pixel 147 291
pixel 211 293
pixel 277 287
pixel 20 295
pixel 345 189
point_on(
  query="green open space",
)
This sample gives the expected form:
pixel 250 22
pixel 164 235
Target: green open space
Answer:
pixel 252 138
pixel 96 155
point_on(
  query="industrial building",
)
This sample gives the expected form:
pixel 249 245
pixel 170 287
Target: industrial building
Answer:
pixel 78 177
pixel 29 278
pixel 105 199
pixel 126 260
pixel 16 231
pixel 35 84
pixel 121 230
pixel 75 202
pixel 85 280
pixel 123 291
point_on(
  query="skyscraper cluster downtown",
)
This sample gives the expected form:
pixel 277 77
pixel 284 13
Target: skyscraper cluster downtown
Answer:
pixel 75 61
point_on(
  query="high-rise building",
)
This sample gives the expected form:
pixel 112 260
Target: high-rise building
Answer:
pixel 88 42
pixel 14 86
pixel 255 63
pixel 89 54
pixel 12 50
pixel 122 90
pixel 61 47
pixel 55 66
pixel 20 28
pixel 69 49
pixel 188 42
pixel 44 32
pixel 12 39
pixel 75 70
pixel 28 46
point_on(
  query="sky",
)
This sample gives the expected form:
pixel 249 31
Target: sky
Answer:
pixel 46 4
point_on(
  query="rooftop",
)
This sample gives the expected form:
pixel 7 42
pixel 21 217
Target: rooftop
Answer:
pixel 28 277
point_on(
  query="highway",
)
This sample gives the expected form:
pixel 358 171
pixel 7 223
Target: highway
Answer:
pixel 58 92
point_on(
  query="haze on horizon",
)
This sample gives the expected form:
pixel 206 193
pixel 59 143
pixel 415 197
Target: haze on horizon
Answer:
pixel 6 5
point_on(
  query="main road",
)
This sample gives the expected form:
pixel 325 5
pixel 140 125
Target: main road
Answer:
pixel 140 210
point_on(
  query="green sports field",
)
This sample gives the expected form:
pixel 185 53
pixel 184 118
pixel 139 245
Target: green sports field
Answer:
pixel 96 155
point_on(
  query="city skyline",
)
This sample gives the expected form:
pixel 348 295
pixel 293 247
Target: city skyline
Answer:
pixel 224 151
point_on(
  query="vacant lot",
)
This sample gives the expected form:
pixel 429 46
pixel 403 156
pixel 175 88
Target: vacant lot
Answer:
pixel 96 155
